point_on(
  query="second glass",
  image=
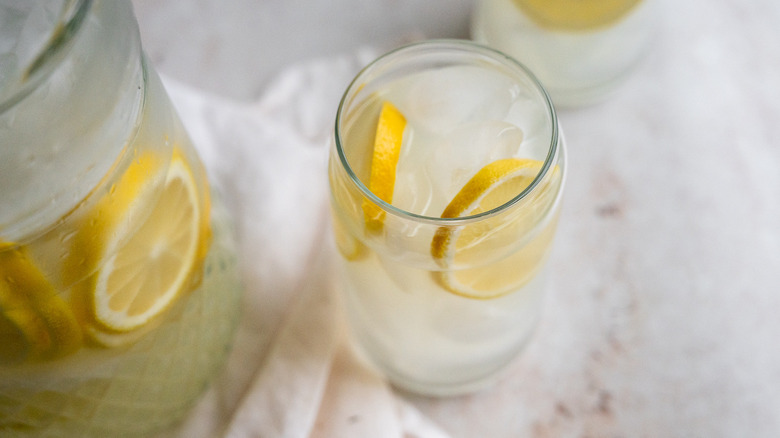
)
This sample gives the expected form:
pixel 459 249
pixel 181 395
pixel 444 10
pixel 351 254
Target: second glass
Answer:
pixel 446 173
pixel 581 50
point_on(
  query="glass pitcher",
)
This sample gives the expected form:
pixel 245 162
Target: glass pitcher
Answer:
pixel 118 284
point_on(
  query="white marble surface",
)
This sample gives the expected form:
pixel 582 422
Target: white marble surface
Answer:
pixel 662 316
pixel 233 47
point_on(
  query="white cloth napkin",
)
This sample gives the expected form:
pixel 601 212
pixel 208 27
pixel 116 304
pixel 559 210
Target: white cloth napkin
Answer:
pixel 292 373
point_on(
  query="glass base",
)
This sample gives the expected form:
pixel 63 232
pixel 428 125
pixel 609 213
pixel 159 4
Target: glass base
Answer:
pixel 428 389
pixel 460 384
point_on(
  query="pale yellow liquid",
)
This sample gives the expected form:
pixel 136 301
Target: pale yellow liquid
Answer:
pixel 130 391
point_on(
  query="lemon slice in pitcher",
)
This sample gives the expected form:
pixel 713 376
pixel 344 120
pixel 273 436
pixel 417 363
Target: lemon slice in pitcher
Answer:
pixel 492 186
pixel 35 323
pixel 576 14
pixel 141 274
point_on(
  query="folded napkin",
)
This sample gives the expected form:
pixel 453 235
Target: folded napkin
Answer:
pixel 292 372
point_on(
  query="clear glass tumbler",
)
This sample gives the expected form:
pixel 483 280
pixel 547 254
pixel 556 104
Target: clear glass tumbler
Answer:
pixel 446 172
pixel 119 294
pixel 581 50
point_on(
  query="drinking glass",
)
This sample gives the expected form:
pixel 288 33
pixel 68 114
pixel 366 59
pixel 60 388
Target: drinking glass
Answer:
pixel 446 171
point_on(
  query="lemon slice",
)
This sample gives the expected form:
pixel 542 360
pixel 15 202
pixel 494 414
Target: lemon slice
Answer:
pixel 110 219
pixel 452 247
pixel 576 14
pixel 35 323
pixel 144 275
pixel 138 275
pixel 348 246
pixel 387 150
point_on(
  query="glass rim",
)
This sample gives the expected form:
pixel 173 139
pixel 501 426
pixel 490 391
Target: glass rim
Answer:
pixel 468 46
pixel 61 36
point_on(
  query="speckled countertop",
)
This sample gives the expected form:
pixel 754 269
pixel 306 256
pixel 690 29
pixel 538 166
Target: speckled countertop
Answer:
pixel 662 318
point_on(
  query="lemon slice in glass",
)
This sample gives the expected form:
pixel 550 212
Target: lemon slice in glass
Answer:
pixel 35 323
pixel 576 14
pixel 348 246
pixel 387 150
pixel 469 245
pixel 140 274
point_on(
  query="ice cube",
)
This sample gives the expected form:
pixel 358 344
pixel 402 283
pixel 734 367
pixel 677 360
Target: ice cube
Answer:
pixel 469 148
pixel 25 29
pixel 414 189
pixel 532 117
pixel 37 29
pixel 441 100
pixel 8 70
pixel 11 19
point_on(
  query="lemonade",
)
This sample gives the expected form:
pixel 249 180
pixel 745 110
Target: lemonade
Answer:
pixel 446 173
pixel 118 284
pixel 581 50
